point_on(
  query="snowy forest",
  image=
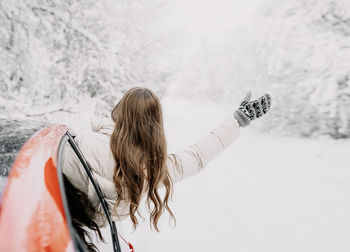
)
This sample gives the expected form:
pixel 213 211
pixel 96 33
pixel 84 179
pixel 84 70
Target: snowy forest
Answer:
pixel 63 56
pixel 56 54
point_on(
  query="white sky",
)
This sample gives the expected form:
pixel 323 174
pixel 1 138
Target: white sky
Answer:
pixel 206 16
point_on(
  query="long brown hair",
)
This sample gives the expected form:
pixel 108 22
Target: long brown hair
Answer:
pixel 139 148
pixel 83 214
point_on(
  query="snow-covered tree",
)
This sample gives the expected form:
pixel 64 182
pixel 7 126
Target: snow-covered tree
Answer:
pixel 55 54
pixel 307 56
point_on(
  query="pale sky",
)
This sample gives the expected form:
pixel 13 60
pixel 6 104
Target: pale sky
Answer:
pixel 206 16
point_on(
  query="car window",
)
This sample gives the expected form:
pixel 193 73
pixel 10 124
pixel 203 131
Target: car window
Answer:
pixel 112 232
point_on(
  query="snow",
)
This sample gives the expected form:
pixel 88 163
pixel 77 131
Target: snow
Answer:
pixel 264 193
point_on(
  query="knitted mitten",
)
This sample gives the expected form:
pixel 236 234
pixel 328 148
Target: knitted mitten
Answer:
pixel 249 110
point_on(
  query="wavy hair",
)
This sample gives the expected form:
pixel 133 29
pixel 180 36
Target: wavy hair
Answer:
pixel 139 148
pixel 83 214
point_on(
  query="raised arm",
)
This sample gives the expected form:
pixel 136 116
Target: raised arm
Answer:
pixel 192 159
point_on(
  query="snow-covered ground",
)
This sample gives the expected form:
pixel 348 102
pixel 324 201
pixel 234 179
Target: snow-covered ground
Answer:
pixel 264 193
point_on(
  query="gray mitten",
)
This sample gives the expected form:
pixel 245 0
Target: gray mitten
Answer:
pixel 249 110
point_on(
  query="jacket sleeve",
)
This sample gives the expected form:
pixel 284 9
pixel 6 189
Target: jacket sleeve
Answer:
pixel 192 159
pixel 104 126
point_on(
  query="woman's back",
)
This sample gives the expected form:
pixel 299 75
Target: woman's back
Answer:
pixel 95 146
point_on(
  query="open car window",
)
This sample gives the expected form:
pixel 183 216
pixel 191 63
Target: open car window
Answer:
pixel 78 243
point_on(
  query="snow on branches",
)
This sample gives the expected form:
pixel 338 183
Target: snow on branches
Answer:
pixel 307 59
pixel 54 54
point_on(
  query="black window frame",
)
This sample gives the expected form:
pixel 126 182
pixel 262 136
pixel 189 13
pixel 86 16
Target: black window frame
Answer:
pixel 68 138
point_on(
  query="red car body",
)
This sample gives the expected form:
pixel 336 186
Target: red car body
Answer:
pixel 32 213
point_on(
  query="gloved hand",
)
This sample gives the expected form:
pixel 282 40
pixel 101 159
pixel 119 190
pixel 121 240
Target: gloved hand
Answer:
pixel 249 110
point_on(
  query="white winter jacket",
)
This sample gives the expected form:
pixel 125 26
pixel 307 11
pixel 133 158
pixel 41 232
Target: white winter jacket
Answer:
pixel 96 149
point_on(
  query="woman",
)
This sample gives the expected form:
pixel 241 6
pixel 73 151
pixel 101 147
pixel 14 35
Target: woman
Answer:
pixel 128 156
